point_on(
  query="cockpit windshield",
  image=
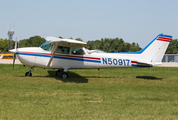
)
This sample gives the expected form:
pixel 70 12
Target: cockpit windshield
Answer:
pixel 94 51
pixel 46 46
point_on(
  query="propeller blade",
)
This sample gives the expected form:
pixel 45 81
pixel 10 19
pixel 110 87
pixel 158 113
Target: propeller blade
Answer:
pixel 14 60
pixel 16 44
pixel 15 52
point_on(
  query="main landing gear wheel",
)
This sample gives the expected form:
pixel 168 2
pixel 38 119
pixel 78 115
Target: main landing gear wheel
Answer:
pixel 58 73
pixel 64 75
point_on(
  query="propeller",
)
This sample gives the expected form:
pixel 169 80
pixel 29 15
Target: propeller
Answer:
pixel 15 52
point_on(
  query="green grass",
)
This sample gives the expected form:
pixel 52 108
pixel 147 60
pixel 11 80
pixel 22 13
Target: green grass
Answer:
pixel 133 93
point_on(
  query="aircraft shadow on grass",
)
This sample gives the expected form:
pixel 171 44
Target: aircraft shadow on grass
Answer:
pixel 76 78
pixel 149 77
pixel 73 77
pixel 98 77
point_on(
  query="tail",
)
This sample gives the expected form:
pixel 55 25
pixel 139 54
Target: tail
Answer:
pixel 153 53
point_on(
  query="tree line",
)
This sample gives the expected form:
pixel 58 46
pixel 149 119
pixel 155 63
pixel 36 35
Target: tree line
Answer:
pixel 113 45
pixel 105 44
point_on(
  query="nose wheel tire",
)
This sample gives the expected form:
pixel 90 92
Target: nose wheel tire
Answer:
pixel 64 75
pixel 28 74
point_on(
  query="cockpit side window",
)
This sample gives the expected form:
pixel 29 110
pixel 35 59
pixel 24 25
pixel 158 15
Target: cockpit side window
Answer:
pixel 46 46
pixel 62 49
pixel 77 51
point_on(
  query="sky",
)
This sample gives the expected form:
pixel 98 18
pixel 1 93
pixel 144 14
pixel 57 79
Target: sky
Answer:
pixel 138 21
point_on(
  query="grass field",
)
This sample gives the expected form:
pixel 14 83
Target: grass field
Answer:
pixel 133 93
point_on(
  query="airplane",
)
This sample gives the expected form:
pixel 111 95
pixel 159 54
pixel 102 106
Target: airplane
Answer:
pixel 1 56
pixel 64 54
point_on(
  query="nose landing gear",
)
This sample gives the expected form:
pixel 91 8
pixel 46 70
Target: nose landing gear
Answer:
pixel 29 74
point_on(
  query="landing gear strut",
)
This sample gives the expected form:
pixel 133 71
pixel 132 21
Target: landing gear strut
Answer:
pixel 29 74
pixel 62 73
pixel 59 72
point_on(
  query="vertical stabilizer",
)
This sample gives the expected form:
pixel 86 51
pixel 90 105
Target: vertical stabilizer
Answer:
pixel 154 52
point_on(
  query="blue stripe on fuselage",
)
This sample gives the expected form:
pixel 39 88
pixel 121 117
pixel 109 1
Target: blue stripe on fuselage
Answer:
pixel 135 65
pixel 32 54
pixel 77 59
pixel 60 57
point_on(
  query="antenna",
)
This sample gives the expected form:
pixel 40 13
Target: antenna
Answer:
pixel 10 34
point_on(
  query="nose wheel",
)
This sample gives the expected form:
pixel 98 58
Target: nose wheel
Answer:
pixel 61 73
pixel 29 74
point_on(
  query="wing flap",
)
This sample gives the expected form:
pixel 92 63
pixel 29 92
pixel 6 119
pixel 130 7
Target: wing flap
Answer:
pixel 144 64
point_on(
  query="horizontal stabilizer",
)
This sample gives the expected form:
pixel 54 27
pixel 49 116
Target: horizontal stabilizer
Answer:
pixel 140 64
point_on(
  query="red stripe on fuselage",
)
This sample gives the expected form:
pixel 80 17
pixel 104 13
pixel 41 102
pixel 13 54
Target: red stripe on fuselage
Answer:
pixel 84 57
pixel 35 53
pixel 77 56
pixel 134 62
pixel 164 39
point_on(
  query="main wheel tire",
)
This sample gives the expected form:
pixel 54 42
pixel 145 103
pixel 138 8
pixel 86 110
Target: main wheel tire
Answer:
pixel 58 73
pixel 64 75
pixel 27 74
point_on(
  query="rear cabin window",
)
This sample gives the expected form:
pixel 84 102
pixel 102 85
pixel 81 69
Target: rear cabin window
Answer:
pixel 62 49
pixel 46 46
pixel 77 51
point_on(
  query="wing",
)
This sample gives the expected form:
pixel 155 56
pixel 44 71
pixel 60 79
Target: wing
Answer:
pixel 63 42
pixel 66 42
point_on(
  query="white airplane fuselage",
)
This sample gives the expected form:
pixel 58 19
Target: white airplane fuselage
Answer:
pixel 37 57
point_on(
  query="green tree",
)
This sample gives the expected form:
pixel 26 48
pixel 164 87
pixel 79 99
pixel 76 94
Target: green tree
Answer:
pixel 126 47
pixel 113 45
pixel 173 47
pixel 79 39
pixel 71 38
pixel 134 48
pixel 118 45
pixel 61 37
pixel 35 41
pixel 90 44
pixel 4 45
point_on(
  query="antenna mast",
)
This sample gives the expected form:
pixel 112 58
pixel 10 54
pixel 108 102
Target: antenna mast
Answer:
pixel 10 34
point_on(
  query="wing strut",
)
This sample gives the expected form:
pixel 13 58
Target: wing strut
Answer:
pixel 52 56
